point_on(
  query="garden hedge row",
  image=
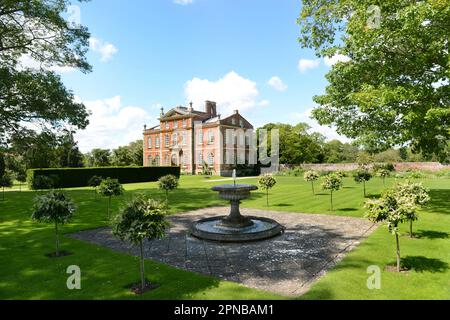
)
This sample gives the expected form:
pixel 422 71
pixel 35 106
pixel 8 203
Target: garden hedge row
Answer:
pixel 79 177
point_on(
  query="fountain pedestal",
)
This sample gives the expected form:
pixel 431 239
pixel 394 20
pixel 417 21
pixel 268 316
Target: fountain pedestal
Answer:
pixel 235 227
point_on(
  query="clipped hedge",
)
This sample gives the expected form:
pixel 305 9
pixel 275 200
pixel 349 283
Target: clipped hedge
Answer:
pixel 79 177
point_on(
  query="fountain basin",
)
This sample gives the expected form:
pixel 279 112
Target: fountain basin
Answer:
pixel 235 227
pixel 259 229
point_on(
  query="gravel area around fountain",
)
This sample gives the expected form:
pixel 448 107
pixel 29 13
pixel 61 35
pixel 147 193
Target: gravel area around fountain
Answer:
pixel 286 264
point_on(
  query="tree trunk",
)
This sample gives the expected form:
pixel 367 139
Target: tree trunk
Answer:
pixel 410 228
pixel 398 252
pixel 142 267
pixel 312 186
pixel 331 199
pixel 109 207
pixel 364 187
pixel 57 239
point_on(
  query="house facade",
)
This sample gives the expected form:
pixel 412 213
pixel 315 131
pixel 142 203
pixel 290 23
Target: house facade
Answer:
pixel 195 139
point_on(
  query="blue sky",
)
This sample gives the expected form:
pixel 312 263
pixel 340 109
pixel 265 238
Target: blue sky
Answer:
pixel 147 54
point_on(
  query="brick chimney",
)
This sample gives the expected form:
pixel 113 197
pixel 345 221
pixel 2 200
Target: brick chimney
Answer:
pixel 211 108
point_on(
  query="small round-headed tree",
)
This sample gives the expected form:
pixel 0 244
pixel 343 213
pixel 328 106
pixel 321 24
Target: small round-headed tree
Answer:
pixel 6 181
pixel 363 175
pixel 94 182
pixel 311 176
pixel 141 218
pixel 266 182
pixel 383 174
pixel 418 193
pixel 53 207
pixel 333 183
pixel 109 188
pixel 22 178
pixel 392 209
pixel 168 183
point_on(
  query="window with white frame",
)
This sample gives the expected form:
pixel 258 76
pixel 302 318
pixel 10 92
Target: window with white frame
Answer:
pixel 166 140
pixel 174 139
pixel 211 158
pixel 149 142
pixel 149 160
pixel 200 137
pixel 233 121
pixel 184 123
pixel 157 161
pixel 157 142
pixel 200 157
pixel 210 137
pixel 175 124
pixel 167 160
pixel 167 124
pixel 183 138
pixel 241 122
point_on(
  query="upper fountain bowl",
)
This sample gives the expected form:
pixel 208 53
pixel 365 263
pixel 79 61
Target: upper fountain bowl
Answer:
pixel 234 192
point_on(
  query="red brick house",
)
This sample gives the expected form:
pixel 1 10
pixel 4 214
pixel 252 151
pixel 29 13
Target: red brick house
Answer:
pixel 190 138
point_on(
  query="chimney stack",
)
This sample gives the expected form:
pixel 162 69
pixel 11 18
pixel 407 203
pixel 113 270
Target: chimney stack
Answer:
pixel 190 107
pixel 211 108
pixel 162 112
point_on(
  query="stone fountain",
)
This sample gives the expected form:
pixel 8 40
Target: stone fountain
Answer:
pixel 235 227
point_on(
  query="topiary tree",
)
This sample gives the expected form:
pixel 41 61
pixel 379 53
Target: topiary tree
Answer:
pixel 383 174
pixel 94 182
pixel 141 218
pixel 311 176
pixel 392 209
pixel 109 188
pixel 6 181
pixel 22 178
pixel 333 183
pixel 53 207
pixel 266 182
pixel 418 193
pixel 168 183
pixel 363 176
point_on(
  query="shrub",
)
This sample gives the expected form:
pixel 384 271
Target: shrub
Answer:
pixel 332 182
pixel 362 175
pixel 5 182
pixel 141 218
pixel 79 177
pixel 109 188
pixel 42 182
pixel 418 193
pixel 53 207
pixel 341 173
pixel 392 209
pixel 311 176
pixel 168 183
pixel 266 182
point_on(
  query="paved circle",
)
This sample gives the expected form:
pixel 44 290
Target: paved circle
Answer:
pixel 287 264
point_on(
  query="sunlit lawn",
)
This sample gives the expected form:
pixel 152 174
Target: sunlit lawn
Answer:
pixel 26 273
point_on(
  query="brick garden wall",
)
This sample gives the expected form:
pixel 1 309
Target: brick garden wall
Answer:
pixel 400 166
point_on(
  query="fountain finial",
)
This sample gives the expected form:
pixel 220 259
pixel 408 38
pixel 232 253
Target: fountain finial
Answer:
pixel 234 177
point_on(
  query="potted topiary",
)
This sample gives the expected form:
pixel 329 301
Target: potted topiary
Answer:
pixel 266 182
pixel 311 176
pixel 53 207
pixel 141 218
pixel 168 183
pixel 109 188
pixel 333 183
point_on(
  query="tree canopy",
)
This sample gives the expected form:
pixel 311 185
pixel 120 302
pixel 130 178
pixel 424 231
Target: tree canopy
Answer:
pixel 38 30
pixel 392 87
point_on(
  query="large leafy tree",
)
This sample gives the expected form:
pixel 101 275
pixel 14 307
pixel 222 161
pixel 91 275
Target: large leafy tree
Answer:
pixel 38 30
pixel 394 87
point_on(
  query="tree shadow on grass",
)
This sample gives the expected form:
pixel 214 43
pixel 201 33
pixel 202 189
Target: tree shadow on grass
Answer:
pixel 440 201
pixel 347 209
pixel 430 234
pixel 283 205
pixel 421 264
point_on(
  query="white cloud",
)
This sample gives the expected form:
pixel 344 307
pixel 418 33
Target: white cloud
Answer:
pixel 106 49
pixel 329 133
pixel 183 2
pixel 305 64
pixel 335 59
pixel 276 83
pixel 263 103
pixel 230 92
pixel 111 124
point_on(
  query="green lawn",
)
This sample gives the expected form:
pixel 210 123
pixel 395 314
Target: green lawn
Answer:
pixel 26 273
